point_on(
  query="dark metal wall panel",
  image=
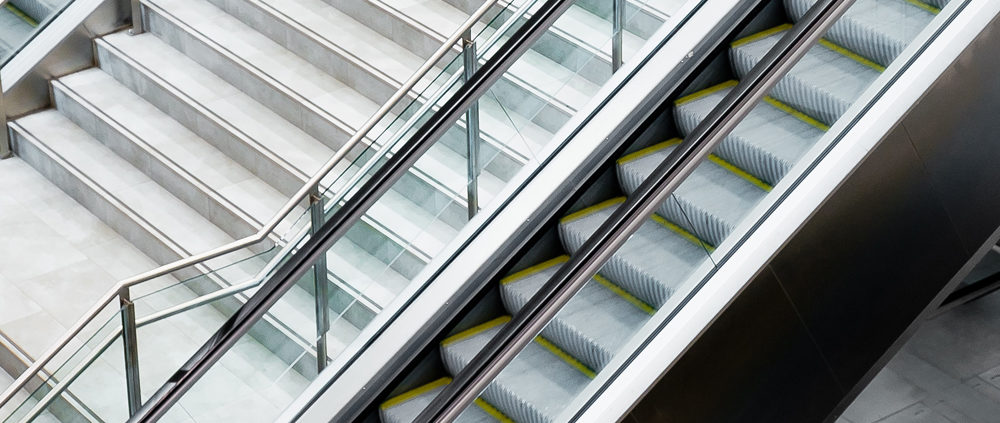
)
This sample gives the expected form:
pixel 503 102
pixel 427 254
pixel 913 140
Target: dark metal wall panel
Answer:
pixel 761 342
pixel 842 295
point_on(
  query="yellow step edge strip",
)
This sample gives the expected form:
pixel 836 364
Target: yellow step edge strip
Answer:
pixel 739 172
pixel 624 294
pixel 475 330
pixel 851 55
pixel 924 6
pixel 638 154
pixel 760 35
pixel 413 393
pixel 565 357
pixel 533 269
pixel 20 13
pixel 683 233
pixel 492 411
pixel 795 113
pixel 712 157
pixel 826 43
pixel 591 210
pixel 699 94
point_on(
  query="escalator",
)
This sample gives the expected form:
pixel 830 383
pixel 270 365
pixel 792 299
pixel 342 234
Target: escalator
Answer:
pixel 663 262
pixel 655 264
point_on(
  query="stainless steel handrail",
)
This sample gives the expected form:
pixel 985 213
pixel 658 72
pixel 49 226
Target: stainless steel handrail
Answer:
pixel 344 218
pixel 121 289
pixel 470 382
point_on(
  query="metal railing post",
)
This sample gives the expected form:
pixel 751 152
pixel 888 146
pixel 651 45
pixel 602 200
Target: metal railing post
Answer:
pixel 5 147
pixel 131 346
pixel 137 26
pixel 316 209
pixel 470 64
pixel 617 30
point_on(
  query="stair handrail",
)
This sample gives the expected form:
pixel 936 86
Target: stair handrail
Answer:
pixel 302 261
pixel 121 290
pixel 525 325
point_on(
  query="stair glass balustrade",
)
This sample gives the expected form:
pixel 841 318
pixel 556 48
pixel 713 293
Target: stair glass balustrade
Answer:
pixel 152 325
pixel 598 332
pixel 22 20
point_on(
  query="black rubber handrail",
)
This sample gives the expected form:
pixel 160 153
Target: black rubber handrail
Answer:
pixel 469 383
pixel 350 213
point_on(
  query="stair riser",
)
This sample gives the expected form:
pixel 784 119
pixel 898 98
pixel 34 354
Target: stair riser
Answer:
pixel 170 177
pixel 152 245
pixel 363 78
pixel 382 19
pixel 342 303
pixel 312 120
pixel 516 95
pixel 280 175
pixel 376 243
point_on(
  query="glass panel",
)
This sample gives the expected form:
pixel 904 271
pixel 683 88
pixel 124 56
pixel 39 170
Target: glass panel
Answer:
pixel 724 198
pixel 91 375
pixel 21 22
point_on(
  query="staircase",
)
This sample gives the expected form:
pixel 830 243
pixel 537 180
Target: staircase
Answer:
pixel 655 263
pixel 195 133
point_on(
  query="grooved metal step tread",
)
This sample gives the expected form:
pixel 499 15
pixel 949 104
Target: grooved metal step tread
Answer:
pixel 767 143
pixel 823 84
pixel 534 387
pixel 405 407
pixel 651 264
pixel 709 203
pixel 876 29
pixel 593 325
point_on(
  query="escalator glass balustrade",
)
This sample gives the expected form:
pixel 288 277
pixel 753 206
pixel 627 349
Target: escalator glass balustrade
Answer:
pixel 674 250
pixel 369 272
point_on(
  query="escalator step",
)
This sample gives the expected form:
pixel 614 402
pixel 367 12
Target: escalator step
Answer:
pixel 593 325
pixel 652 264
pixel 876 29
pixel 709 203
pixel 823 84
pixel 766 143
pixel 534 387
pixel 404 408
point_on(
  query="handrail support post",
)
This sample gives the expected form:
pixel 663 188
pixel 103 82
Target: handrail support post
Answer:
pixel 470 65
pixel 316 210
pixel 617 31
pixel 5 147
pixel 130 345
pixel 138 27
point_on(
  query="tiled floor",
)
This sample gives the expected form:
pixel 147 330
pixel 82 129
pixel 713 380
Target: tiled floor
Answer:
pixel 948 372
pixel 57 260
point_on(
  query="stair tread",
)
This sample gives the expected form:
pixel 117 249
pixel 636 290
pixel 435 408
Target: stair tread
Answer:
pixel 538 71
pixel 876 29
pixel 182 147
pixel 823 84
pixel 264 55
pixel 593 325
pixel 372 277
pixel 13 30
pixel 406 407
pixel 709 203
pixel 176 220
pixel 354 37
pixel 766 143
pixel 651 265
pixel 228 103
pixel 534 387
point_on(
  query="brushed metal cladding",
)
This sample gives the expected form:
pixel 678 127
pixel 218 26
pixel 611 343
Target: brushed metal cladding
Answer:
pixel 875 258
